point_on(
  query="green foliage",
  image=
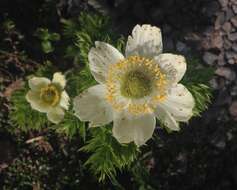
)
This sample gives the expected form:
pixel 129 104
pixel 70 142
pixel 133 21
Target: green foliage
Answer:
pixel 202 96
pixel 47 70
pixel 8 25
pixel 196 80
pixel 142 177
pixel 71 126
pixel 91 28
pixel 46 39
pixel 23 115
pixel 196 73
pixel 107 154
pixel 78 81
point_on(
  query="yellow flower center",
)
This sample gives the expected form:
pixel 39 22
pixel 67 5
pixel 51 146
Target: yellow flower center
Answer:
pixel 136 84
pixel 50 95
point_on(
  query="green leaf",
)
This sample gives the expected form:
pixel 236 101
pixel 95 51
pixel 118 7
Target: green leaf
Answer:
pixel 202 96
pixel 196 73
pixel 196 79
pixel 77 81
pixel 54 37
pixel 8 25
pixel 71 126
pixel 107 154
pixel 69 28
pixel 42 34
pixel 47 69
pixel 47 46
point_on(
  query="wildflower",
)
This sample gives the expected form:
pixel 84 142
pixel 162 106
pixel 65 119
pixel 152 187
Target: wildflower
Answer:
pixel 136 89
pixel 49 96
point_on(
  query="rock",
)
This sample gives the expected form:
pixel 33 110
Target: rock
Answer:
pixel 233 109
pixel 219 20
pixel 233 91
pixel 181 47
pixel 216 40
pixel 233 2
pixel 226 73
pixel 229 14
pixel 213 40
pixel 221 59
pixel 213 7
pixel 223 3
pixel 209 58
pixel 234 47
pixel 214 84
pixel 226 27
pixel 231 61
pixel 227 44
pixel 193 37
pixel 223 98
pixel 234 21
pixel 232 36
pixel 234 8
pixel 230 55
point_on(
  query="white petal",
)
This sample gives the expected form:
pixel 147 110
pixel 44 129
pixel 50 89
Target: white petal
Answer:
pixel 100 58
pixel 56 115
pixel 64 101
pixel 136 128
pixel 166 118
pixel 179 103
pixel 146 40
pixel 92 106
pixel 174 66
pixel 33 97
pixel 59 79
pixel 36 83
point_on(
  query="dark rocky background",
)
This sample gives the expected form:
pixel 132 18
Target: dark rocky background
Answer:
pixel 201 156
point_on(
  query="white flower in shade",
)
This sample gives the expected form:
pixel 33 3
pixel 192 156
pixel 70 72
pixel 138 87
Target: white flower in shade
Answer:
pixel 49 96
pixel 135 89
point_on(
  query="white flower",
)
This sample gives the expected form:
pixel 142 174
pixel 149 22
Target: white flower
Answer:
pixel 136 89
pixel 49 96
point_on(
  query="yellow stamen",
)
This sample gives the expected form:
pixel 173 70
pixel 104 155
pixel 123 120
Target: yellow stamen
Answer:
pixel 50 95
pixel 135 78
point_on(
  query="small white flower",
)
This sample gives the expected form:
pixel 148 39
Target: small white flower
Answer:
pixel 49 96
pixel 136 89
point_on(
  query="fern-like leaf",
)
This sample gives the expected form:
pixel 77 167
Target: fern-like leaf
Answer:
pixel 107 154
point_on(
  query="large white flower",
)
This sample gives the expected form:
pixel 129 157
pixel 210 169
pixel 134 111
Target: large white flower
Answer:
pixel 135 89
pixel 49 96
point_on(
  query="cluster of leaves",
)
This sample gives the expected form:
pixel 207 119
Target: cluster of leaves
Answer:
pixel 84 33
pixel 46 39
pixel 108 155
pixel 71 126
pixel 196 80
